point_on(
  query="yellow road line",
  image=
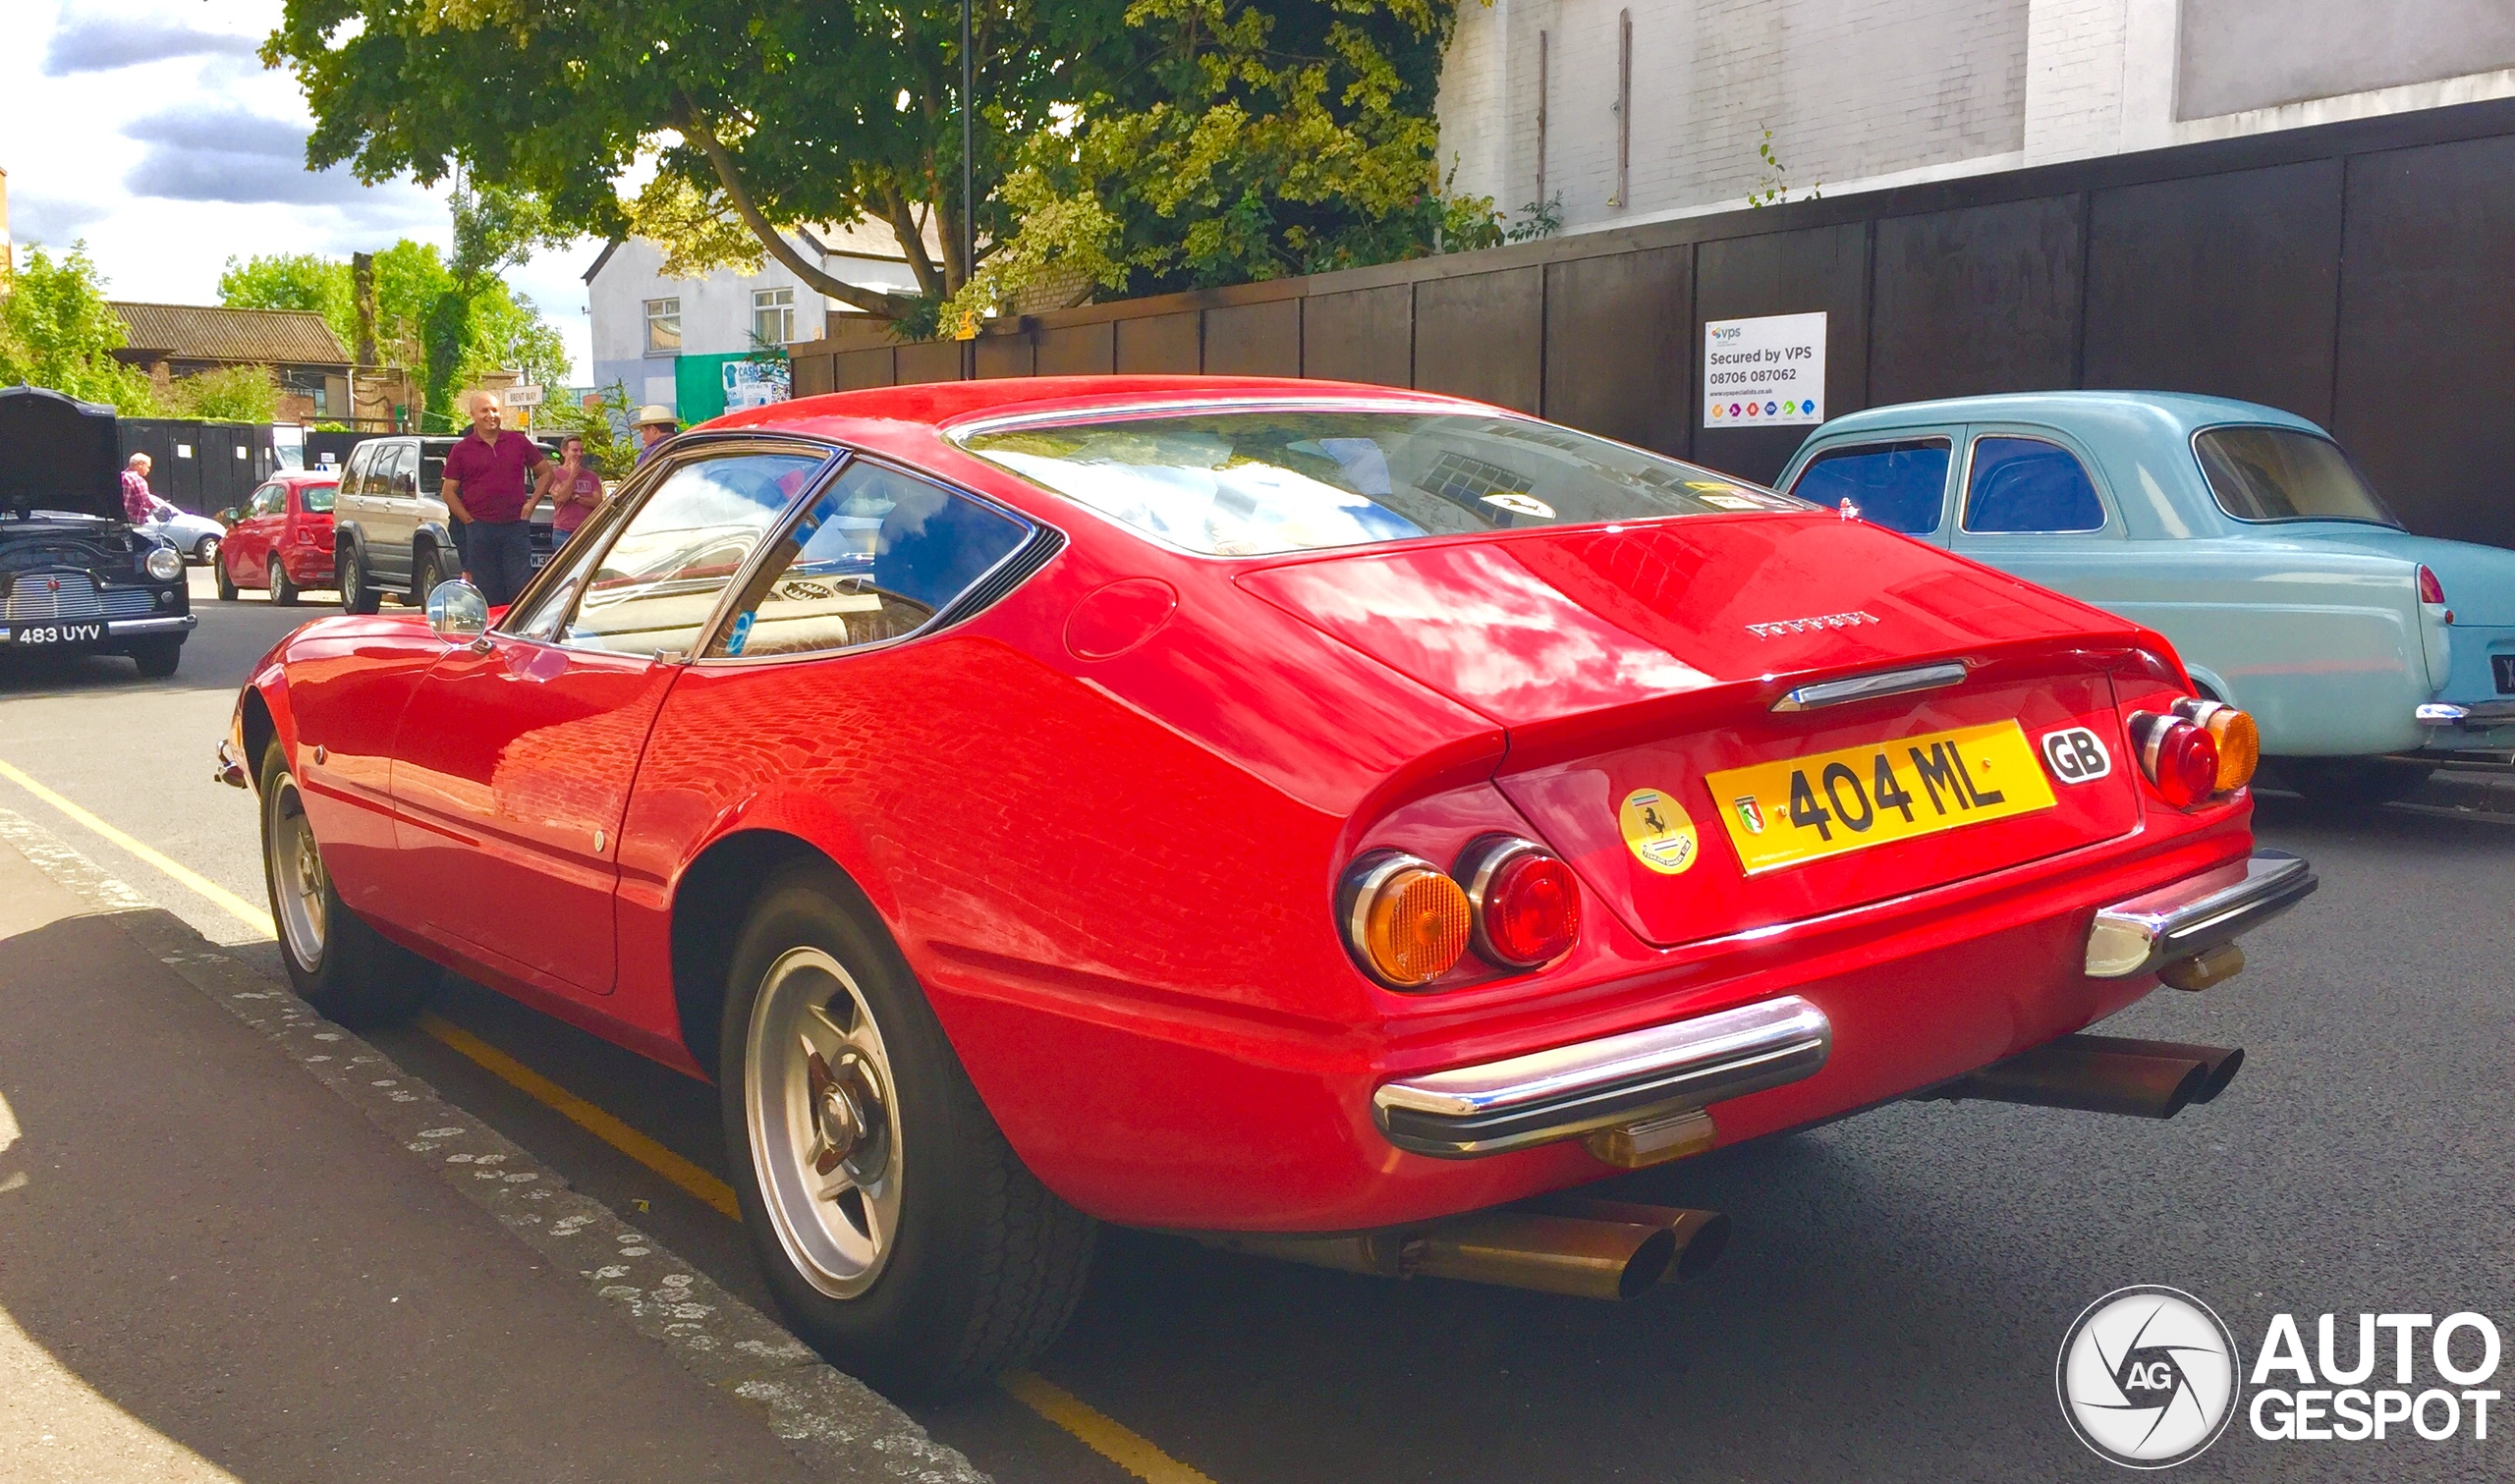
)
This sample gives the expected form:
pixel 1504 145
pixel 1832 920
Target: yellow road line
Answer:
pixel 697 1182
pixel 252 916
pixel 1096 1430
pixel 1103 1435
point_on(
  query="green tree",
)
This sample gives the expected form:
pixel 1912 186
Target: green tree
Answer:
pixel 604 426
pixel 228 394
pixel 57 331
pixel 1253 142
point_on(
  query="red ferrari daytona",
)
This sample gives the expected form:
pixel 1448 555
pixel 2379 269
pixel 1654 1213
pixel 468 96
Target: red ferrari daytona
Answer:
pixel 1329 821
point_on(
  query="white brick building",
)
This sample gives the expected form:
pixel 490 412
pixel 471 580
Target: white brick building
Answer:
pixel 1864 93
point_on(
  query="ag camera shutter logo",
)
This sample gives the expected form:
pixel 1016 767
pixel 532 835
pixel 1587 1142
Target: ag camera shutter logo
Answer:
pixel 2147 1377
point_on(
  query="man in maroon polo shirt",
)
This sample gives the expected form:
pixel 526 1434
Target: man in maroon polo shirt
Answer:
pixel 488 488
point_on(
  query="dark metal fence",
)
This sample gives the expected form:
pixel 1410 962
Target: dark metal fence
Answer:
pixel 200 466
pixel 2361 274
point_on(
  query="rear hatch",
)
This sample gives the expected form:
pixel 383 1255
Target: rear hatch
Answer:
pixel 1642 671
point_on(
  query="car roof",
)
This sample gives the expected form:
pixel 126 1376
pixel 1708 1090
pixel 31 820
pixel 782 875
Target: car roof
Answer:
pixel 852 415
pixel 2185 410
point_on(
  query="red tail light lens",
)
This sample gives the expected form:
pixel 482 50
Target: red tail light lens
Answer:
pixel 2239 739
pixel 2180 759
pixel 2430 589
pixel 1526 901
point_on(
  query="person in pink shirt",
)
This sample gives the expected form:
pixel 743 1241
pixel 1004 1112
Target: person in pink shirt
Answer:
pixel 139 502
pixel 573 490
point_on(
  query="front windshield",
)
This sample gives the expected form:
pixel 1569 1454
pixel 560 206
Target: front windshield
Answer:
pixel 2278 473
pixel 318 497
pixel 1259 481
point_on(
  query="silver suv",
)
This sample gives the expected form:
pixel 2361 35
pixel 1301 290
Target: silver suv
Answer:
pixel 391 533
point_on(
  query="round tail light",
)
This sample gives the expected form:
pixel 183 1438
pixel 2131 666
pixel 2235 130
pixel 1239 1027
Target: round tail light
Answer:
pixel 1526 901
pixel 2179 757
pixel 1405 920
pixel 2238 738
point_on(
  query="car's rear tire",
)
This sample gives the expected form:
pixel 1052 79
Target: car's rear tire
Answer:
pixel 346 969
pixel 226 583
pixel 158 658
pixel 282 591
pixel 2354 782
pixel 206 552
pixel 358 589
pixel 426 571
pixel 898 1232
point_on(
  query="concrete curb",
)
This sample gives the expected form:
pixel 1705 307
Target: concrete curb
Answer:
pixel 837 1425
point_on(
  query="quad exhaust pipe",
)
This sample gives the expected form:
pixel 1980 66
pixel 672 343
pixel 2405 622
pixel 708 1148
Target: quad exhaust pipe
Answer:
pixel 2104 1074
pixel 1566 1245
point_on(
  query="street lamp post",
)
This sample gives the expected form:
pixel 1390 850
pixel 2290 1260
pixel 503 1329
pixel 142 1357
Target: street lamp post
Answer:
pixel 968 144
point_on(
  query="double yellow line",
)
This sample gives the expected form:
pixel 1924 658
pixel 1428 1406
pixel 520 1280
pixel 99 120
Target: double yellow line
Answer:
pixel 1103 1435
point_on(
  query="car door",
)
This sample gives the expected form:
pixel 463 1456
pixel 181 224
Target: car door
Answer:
pixel 1898 479
pixel 256 533
pixel 513 764
pixel 397 511
pixel 2034 505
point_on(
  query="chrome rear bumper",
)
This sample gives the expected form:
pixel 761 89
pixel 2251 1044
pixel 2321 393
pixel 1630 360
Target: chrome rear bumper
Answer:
pixel 1571 1090
pixel 2195 914
pixel 2479 716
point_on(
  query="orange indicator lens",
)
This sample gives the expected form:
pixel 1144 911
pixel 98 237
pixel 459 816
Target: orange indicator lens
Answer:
pixel 1414 924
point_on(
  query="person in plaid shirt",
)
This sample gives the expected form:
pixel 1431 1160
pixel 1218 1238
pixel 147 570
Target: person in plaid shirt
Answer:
pixel 137 503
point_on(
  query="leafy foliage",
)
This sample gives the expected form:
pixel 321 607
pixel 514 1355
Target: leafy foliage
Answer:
pixel 57 331
pixel 1252 142
pixel 604 426
pixel 226 394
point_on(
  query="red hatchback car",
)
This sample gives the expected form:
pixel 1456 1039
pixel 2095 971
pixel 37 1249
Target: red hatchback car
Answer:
pixel 281 537
pixel 1326 820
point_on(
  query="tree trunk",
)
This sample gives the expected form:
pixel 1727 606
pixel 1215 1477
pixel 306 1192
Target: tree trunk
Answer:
pixel 872 301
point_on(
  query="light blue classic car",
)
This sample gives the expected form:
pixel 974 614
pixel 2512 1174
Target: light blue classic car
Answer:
pixel 2241 533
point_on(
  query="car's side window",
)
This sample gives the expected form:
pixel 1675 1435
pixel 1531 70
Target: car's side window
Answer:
pixel 657 581
pixel 270 500
pixel 875 558
pixel 352 478
pixel 1902 486
pixel 402 481
pixel 2019 486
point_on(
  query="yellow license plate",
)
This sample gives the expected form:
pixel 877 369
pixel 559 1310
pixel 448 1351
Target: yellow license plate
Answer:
pixel 1807 809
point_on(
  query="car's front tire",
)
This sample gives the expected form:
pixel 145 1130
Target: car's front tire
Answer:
pixel 227 588
pixel 357 591
pixel 898 1230
pixel 158 658
pixel 346 969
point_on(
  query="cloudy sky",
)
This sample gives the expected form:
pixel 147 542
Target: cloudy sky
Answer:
pixel 149 128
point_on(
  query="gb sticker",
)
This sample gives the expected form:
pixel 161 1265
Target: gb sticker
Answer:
pixel 2076 756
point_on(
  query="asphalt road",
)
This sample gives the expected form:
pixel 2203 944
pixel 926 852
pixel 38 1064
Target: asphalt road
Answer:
pixel 1898 1284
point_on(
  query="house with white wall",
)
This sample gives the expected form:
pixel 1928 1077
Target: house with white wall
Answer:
pixel 1645 110
pixel 664 340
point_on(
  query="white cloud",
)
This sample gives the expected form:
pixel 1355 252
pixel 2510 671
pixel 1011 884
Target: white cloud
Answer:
pixel 147 129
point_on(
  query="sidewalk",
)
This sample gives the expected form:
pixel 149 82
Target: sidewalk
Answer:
pixel 211 1265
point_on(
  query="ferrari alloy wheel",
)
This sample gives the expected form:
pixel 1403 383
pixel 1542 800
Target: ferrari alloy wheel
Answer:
pixel 335 960
pixel 825 1131
pixel 896 1228
pixel 357 594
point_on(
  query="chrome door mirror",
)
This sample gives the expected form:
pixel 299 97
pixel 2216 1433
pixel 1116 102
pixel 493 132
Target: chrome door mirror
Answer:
pixel 457 611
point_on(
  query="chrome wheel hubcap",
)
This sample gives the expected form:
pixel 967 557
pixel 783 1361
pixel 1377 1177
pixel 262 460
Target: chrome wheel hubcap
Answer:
pixel 825 1122
pixel 297 875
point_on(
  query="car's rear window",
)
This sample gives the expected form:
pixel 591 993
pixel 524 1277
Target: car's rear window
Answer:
pixel 318 497
pixel 2278 473
pixel 1257 481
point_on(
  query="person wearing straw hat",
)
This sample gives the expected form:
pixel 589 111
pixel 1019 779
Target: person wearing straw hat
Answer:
pixel 655 423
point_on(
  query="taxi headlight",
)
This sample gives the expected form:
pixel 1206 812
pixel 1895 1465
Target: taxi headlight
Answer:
pixel 164 565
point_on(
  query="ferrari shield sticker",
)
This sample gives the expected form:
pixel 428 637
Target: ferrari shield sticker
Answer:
pixel 1657 830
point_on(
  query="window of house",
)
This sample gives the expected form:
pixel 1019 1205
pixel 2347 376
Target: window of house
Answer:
pixel 309 385
pixel 2023 485
pixel 664 327
pixel 772 316
pixel 1898 485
